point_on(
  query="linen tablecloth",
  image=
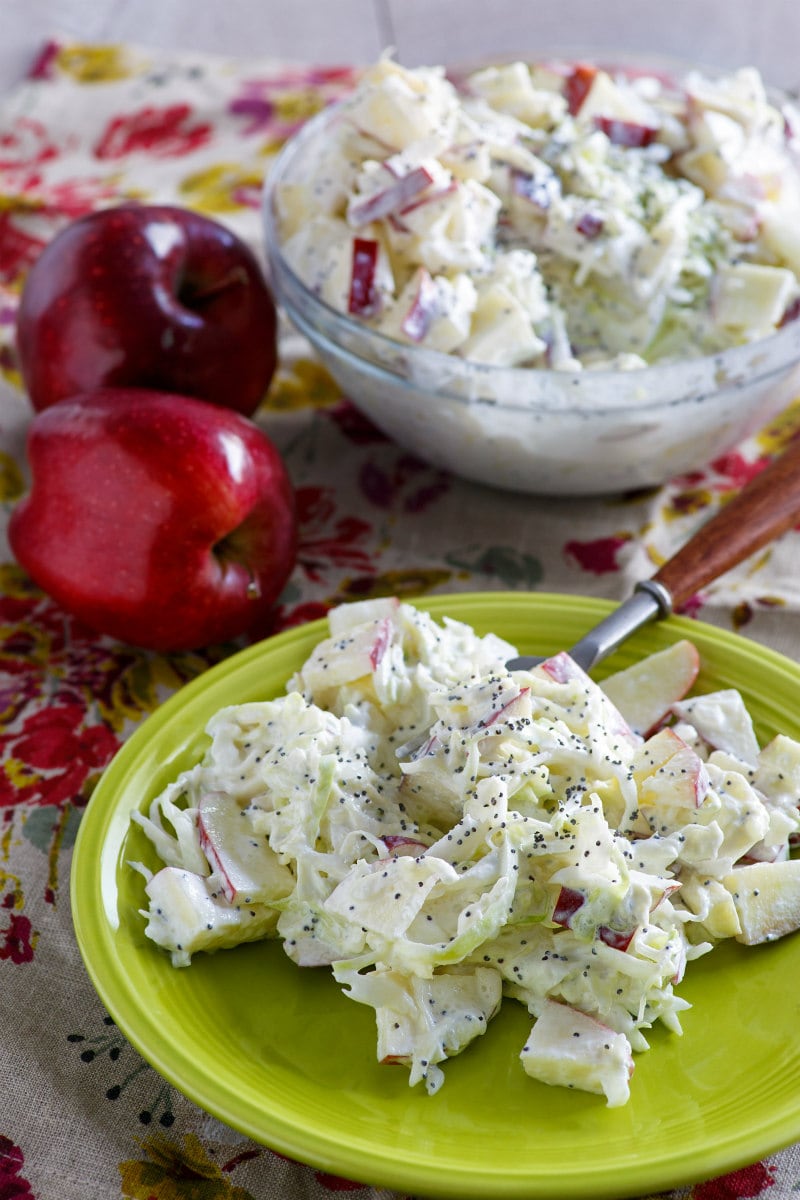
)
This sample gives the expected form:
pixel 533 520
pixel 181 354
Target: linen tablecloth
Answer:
pixel 82 1117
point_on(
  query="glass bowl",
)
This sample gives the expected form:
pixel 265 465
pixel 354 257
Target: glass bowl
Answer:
pixel 547 432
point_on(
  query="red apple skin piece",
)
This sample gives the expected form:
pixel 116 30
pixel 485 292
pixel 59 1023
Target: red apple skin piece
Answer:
pixel 590 225
pixel 419 318
pixel 578 85
pixel 567 904
pixel 626 133
pixel 163 521
pixel 538 190
pixel 398 845
pixel 150 296
pixel 391 198
pixel 362 300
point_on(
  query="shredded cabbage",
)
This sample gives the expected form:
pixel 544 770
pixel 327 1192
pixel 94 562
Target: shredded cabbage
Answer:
pixel 443 832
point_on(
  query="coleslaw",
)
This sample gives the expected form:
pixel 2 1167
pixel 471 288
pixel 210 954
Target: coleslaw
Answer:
pixel 554 215
pixel 443 833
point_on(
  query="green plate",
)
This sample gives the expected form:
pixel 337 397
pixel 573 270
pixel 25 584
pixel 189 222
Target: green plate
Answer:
pixel 282 1056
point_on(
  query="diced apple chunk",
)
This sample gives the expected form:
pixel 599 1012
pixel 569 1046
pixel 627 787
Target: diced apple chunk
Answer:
pixel 778 772
pixel 246 865
pixel 605 99
pixel 435 310
pixel 704 167
pixel 391 198
pixel 723 722
pixel 356 652
pixel 428 1020
pixel 767 899
pixel 502 331
pixel 751 296
pixel 713 905
pixel 780 233
pixel 645 691
pixel 358 612
pixel 669 772
pixel 187 915
pixel 563 669
pixel 774 846
pixel 571 1049
pixel 294 206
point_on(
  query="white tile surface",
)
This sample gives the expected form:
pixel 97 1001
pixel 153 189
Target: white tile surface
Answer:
pixel 720 32
pixel 311 30
pixel 339 31
pixel 26 24
pixel 728 33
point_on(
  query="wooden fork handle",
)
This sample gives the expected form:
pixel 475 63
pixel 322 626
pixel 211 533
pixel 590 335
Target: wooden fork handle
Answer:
pixel 764 509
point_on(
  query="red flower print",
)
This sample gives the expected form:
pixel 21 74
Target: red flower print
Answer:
pixel 690 500
pixel 333 1183
pixel 18 250
pixel 12 1160
pixel 25 144
pixel 16 945
pixel 52 756
pixel 327 540
pixel 736 470
pixel 301 614
pixel 355 426
pixel 161 132
pixel 600 556
pixel 42 66
pixel 749 1181
pixel 691 607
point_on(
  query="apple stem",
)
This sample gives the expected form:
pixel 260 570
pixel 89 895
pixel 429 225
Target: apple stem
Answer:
pixel 229 552
pixel 194 296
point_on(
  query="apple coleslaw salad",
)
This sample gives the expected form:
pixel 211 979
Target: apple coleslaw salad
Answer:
pixel 441 833
pixel 553 215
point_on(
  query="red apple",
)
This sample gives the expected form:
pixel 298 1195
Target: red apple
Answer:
pixel 147 296
pixel 161 520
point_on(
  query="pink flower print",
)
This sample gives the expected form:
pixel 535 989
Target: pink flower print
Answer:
pixel 160 132
pixel 257 109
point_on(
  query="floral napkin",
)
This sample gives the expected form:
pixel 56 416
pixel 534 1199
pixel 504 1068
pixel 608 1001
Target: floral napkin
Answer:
pixel 83 1117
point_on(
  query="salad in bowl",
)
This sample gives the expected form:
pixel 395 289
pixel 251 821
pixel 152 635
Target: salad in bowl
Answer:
pixel 555 278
